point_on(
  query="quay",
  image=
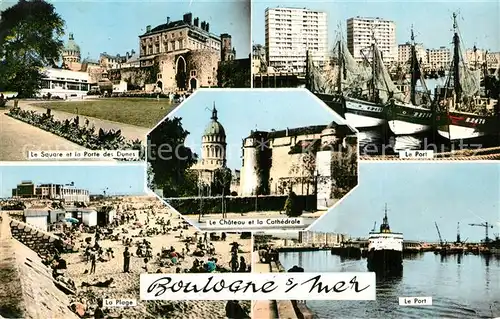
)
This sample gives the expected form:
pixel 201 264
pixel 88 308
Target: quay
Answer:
pixel 277 309
pixel 359 248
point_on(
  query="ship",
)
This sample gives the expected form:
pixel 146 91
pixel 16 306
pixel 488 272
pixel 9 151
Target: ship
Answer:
pixel 462 112
pixel 414 116
pixel 356 91
pixel 385 249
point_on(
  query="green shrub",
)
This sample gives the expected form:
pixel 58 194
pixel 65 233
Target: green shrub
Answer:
pixel 71 130
pixel 211 205
pixel 292 209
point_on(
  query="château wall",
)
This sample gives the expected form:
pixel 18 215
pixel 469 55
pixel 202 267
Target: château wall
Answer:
pixel 282 167
pixel 204 63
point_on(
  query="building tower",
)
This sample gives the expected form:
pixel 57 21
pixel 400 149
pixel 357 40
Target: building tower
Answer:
pixel 71 51
pixel 331 145
pixel 71 54
pixel 291 33
pixel 214 144
pixel 227 51
pixel 249 175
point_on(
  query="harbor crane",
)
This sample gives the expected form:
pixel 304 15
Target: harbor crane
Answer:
pixel 374 226
pixel 458 233
pixel 441 242
pixel 486 226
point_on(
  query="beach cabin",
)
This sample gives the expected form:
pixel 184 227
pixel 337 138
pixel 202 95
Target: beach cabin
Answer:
pixel 86 216
pixel 56 216
pixel 38 218
pixel 89 217
pixel 106 215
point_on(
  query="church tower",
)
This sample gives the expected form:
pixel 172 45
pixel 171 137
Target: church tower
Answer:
pixel 214 143
pixel 71 54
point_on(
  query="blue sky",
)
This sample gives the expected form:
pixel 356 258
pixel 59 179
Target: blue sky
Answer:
pixel 479 22
pixel 114 26
pixel 417 195
pixel 241 111
pixel 119 179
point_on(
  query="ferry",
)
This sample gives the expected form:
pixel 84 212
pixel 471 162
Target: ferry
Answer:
pixel 385 249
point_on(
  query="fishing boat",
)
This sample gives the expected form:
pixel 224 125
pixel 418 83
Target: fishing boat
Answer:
pixel 355 90
pixel 413 116
pixel 385 249
pixel 462 112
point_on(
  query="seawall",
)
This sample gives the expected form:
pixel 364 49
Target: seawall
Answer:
pixel 27 289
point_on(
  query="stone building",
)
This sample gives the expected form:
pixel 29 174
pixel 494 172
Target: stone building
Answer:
pixel 228 53
pixel 439 59
pixel 213 150
pixel 110 62
pixel 299 159
pixel 186 51
pixel 69 193
pixel 71 55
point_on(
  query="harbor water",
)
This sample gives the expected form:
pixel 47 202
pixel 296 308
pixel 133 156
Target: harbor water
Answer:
pixel 461 286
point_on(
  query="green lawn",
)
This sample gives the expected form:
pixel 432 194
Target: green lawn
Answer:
pixel 142 112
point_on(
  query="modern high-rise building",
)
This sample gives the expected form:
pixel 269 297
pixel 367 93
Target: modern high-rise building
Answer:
pixel 362 32
pixel 439 59
pixel 404 53
pixel 291 33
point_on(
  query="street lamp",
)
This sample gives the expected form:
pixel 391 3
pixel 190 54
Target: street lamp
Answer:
pixel 316 177
pixel 199 195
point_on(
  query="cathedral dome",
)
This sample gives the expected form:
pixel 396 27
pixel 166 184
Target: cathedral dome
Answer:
pixel 214 127
pixel 71 45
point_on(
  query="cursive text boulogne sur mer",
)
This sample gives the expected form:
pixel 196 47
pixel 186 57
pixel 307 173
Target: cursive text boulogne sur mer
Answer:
pixel 168 285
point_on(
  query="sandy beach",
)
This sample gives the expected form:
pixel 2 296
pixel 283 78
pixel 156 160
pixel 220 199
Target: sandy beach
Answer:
pixel 127 284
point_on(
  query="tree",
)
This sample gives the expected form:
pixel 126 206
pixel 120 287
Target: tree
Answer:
pixel 344 171
pixel 221 182
pixel 234 74
pixel 303 171
pixel 30 34
pixel 170 160
pixel 291 208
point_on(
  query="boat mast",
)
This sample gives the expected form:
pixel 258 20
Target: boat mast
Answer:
pixel 340 66
pixel 456 59
pixel 374 66
pixel 414 71
pixel 308 76
pixel 384 227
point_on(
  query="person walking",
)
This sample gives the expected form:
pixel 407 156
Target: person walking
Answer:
pixel 234 263
pixel 243 265
pixel 126 260
pixel 93 261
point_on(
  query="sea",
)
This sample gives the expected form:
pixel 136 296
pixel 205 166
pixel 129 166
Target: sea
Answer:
pixel 466 286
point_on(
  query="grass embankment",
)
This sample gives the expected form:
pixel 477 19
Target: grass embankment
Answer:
pixel 133 111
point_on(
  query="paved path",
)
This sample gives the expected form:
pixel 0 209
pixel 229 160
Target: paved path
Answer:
pixel 130 132
pixel 263 309
pixel 17 138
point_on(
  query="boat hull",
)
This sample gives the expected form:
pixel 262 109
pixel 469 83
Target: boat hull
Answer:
pixel 462 126
pixel 363 114
pixel 333 101
pixel 385 261
pixel 406 119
